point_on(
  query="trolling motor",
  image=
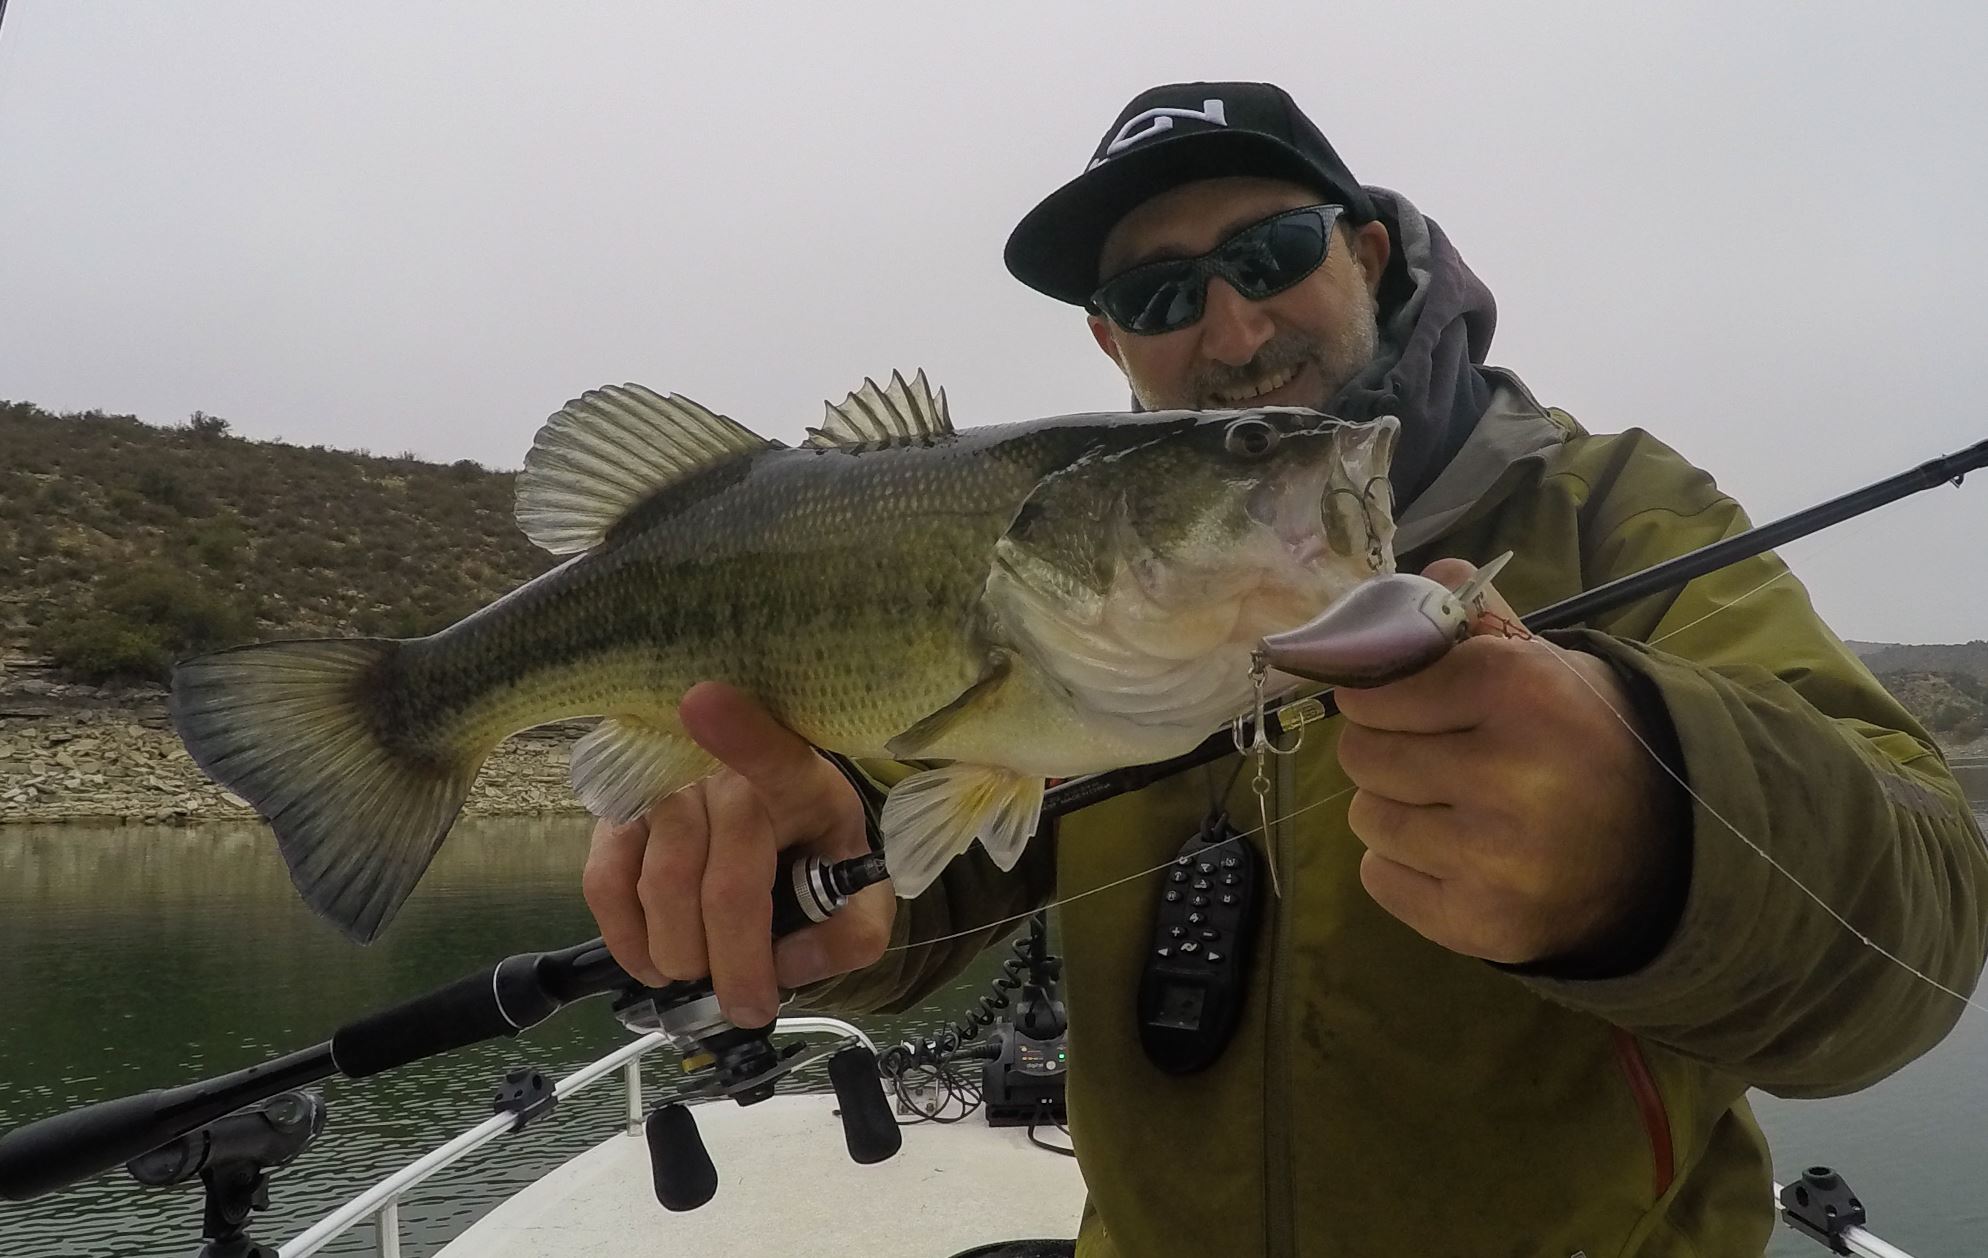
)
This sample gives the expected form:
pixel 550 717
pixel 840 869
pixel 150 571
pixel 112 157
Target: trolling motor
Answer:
pixel 172 1134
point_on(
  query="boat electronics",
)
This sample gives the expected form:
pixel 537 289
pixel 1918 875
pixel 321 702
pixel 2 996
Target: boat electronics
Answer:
pixel 1197 964
pixel 1022 1084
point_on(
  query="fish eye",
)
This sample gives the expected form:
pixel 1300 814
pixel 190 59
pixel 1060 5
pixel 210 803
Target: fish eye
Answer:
pixel 1250 438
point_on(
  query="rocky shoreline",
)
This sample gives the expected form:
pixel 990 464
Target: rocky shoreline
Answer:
pixel 108 756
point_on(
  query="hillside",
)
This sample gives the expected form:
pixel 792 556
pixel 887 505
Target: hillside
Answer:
pixel 1967 658
pixel 123 544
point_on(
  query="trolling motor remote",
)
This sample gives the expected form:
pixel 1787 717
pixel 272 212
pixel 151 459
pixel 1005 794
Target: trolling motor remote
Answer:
pixel 1197 967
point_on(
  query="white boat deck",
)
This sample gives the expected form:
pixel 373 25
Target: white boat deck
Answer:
pixel 786 1185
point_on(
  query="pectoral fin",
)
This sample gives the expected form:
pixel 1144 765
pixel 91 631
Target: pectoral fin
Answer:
pixel 932 817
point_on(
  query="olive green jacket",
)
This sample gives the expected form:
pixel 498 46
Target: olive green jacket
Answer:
pixel 1384 1096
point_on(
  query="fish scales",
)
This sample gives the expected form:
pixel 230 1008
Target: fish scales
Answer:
pixel 1012 602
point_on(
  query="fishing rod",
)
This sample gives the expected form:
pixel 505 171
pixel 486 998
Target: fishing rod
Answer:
pixel 168 1134
pixel 1292 714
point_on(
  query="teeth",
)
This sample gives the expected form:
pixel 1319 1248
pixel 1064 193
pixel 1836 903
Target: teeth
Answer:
pixel 1269 385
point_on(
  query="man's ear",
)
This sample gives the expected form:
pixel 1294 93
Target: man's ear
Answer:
pixel 1372 248
pixel 1107 339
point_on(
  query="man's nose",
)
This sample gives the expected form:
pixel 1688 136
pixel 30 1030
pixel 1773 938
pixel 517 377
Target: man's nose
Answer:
pixel 1233 327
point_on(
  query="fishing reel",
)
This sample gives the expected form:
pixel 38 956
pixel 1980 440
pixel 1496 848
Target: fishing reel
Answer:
pixel 721 1059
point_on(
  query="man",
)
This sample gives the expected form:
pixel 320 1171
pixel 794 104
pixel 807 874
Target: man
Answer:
pixel 1520 976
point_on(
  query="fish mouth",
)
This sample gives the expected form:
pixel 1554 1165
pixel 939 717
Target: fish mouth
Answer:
pixel 1294 508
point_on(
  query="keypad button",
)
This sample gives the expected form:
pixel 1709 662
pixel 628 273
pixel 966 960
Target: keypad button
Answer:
pixel 1176 931
pixel 1199 901
pixel 1173 897
pixel 1213 956
pixel 1189 948
pixel 1178 875
pixel 1228 897
pixel 1208 932
pixel 1204 868
pixel 1195 919
pixel 1228 880
pixel 1232 862
pixel 1201 884
pixel 1163 952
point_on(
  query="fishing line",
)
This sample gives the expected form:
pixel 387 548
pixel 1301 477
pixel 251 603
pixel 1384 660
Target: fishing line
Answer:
pixel 1758 850
pixel 1116 882
pixel 1721 607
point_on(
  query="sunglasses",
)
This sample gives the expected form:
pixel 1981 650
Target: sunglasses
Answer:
pixel 1266 257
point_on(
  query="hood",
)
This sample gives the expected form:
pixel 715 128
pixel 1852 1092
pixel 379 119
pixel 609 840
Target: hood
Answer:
pixel 1436 320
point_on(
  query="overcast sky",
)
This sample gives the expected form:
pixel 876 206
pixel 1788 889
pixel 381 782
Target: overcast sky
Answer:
pixel 1756 230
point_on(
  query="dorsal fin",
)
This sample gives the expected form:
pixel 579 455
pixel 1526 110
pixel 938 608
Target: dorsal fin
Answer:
pixel 905 414
pixel 611 449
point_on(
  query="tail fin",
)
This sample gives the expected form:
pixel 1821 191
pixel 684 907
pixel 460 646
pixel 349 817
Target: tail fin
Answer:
pixel 295 729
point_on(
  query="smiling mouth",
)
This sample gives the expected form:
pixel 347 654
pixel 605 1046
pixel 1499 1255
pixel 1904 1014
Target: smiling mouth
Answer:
pixel 1269 384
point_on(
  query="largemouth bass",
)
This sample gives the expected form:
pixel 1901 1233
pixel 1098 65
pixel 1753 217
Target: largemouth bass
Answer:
pixel 1023 601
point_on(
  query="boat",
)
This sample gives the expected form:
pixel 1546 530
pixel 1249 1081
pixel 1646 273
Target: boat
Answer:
pixel 958 1187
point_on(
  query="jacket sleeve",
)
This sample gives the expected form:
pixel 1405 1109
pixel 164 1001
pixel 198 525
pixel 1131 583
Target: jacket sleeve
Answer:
pixel 1823 813
pixel 970 905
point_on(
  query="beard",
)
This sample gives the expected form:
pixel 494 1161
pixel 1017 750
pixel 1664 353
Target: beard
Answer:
pixel 1335 362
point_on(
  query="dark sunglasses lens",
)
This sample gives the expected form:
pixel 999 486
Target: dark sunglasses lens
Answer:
pixel 1275 255
pixel 1153 298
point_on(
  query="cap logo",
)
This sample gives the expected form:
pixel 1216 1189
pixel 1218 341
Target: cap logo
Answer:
pixel 1141 127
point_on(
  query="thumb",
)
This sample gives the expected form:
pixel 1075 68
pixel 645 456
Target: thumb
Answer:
pixel 1452 573
pixel 745 738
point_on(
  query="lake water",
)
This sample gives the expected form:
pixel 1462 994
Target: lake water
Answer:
pixel 139 958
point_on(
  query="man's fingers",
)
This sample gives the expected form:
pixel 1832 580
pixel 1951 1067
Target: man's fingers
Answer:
pixel 672 867
pixel 852 939
pixel 1409 895
pixel 1410 768
pixel 1422 837
pixel 614 862
pixel 737 901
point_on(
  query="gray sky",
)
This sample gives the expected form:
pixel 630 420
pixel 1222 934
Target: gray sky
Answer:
pixel 1755 229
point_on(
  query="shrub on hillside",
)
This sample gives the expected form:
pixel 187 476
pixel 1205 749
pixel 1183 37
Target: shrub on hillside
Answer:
pixel 205 425
pixel 140 621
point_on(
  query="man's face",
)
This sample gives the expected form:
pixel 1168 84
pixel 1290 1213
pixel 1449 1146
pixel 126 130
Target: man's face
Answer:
pixel 1294 348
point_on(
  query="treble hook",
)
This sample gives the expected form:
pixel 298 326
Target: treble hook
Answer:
pixel 1259 743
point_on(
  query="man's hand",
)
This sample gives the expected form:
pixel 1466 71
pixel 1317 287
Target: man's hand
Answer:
pixel 1507 813
pixel 686 890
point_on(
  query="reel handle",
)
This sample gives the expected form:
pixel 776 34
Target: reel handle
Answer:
pixel 868 1126
pixel 678 1161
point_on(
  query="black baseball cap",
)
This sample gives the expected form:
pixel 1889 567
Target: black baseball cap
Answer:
pixel 1165 137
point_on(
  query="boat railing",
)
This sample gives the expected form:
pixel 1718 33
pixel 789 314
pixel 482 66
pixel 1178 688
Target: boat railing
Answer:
pixel 381 1202
pixel 1856 1240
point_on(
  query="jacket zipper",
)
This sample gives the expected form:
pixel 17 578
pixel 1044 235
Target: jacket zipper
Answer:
pixel 1277 1152
pixel 1649 1104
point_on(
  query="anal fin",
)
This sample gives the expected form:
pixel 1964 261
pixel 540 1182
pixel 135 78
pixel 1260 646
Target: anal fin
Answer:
pixel 623 765
pixel 931 817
